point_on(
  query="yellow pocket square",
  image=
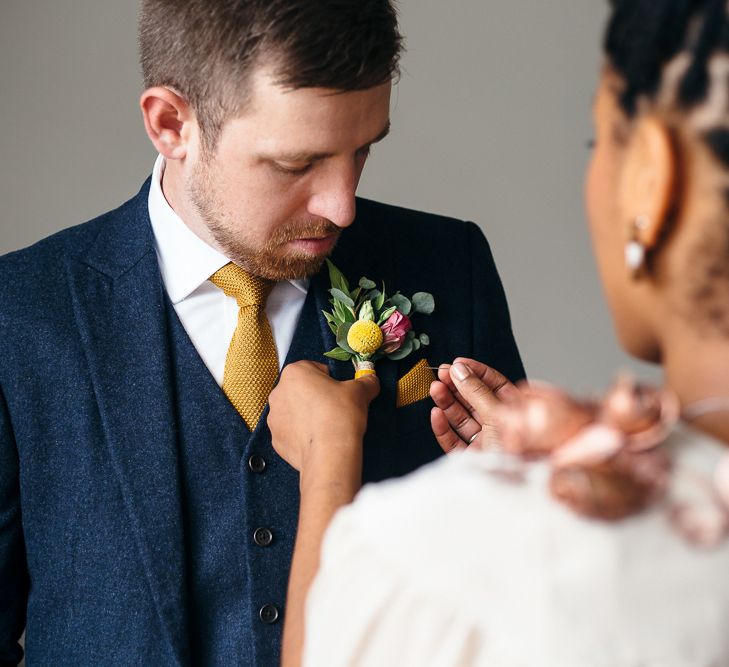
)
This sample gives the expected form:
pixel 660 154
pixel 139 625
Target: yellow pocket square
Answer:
pixel 414 386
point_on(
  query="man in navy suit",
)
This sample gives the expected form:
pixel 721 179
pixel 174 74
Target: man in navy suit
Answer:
pixel 142 520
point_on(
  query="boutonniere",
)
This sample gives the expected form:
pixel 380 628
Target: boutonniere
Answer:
pixel 369 324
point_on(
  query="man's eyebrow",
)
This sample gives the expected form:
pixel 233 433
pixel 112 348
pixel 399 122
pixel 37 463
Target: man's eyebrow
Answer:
pixel 314 157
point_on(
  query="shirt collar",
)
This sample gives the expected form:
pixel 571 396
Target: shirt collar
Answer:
pixel 185 260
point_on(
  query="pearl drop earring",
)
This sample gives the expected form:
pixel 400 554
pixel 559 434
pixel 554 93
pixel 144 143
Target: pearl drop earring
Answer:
pixel 635 251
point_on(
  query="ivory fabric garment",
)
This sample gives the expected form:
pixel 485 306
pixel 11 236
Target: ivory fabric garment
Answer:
pixel 455 566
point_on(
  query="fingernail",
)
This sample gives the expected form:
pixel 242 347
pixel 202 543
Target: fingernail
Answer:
pixel 461 371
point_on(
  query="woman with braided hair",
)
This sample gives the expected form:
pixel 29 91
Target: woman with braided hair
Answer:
pixel 581 532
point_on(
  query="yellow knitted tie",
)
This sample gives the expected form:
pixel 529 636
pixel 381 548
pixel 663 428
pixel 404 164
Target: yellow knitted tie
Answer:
pixel 251 366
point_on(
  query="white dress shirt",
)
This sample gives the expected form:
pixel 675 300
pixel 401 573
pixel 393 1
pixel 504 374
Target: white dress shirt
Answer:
pixel 206 313
pixel 455 566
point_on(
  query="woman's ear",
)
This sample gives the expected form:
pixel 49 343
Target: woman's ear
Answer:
pixel 168 120
pixel 647 187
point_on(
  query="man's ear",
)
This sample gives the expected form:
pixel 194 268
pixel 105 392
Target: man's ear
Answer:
pixel 168 120
pixel 649 176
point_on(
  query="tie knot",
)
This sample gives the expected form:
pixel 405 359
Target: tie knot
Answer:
pixel 248 290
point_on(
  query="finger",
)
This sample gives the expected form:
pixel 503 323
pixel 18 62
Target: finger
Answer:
pixel 304 366
pixel 444 434
pixel 444 376
pixel 370 385
pixel 459 418
pixel 444 373
pixel 499 384
pixel 476 392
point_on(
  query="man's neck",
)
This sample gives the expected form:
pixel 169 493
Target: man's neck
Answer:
pixel 174 190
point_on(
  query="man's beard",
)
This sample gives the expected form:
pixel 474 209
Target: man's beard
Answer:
pixel 269 261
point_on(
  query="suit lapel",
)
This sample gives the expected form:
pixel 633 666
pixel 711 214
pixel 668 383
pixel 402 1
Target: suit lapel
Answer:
pixel 119 307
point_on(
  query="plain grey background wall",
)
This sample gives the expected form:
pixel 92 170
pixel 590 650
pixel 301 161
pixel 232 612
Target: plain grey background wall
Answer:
pixel 490 123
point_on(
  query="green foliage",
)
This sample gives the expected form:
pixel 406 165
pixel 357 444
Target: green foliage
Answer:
pixel 331 321
pixel 403 352
pixel 423 303
pixel 366 283
pixel 342 297
pixel 338 354
pixel 402 303
pixel 337 279
pixel 381 296
pixel 341 335
pixel 369 303
pixel 386 315
pixel 367 312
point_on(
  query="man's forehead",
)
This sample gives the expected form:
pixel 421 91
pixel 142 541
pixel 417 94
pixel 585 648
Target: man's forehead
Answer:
pixel 267 93
pixel 311 120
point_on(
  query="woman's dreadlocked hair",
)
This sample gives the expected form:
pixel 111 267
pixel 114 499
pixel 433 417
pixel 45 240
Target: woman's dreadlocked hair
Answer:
pixel 673 55
pixel 658 44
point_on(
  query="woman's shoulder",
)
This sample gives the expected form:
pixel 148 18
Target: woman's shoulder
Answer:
pixel 477 498
pixel 478 527
pixel 467 520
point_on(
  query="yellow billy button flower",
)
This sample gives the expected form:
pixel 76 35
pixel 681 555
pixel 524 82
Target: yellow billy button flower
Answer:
pixel 365 337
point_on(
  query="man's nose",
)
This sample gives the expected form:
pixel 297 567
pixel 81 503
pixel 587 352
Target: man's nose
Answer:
pixel 333 198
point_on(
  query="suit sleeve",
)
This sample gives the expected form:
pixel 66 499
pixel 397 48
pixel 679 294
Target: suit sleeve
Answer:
pixel 13 568
pixel 493 338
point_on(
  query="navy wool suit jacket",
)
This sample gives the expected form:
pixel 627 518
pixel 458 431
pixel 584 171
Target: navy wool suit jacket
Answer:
pixel 91 530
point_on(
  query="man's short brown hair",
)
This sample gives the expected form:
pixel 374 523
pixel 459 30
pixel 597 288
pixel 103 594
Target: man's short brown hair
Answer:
pixel 206 50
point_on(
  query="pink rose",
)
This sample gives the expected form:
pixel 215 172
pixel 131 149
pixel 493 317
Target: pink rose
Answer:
pixel 395 330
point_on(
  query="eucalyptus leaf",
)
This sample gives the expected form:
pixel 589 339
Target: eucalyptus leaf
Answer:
pixel 424 339
pixel 337 279
pixel 366 283
pixel 338 354
pixel 403 352
pixel 416 344
pixel 424 303
pixel 342 297
pixel 410 335
pixel 401 302
pixel 342 337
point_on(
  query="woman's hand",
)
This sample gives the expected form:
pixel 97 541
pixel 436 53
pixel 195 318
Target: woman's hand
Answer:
pixel 317 425
pixel 466 395
pixel 317 421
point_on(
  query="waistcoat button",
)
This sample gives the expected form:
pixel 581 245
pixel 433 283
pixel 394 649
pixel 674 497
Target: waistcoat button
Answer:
pixel 257 464
pixel 268 614
pixel 262 537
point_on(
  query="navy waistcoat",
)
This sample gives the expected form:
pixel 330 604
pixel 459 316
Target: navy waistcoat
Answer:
pixel 239 512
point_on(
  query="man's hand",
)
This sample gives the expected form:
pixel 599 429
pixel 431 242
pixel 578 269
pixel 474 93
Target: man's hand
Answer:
pixel 466 395
pixel 317 421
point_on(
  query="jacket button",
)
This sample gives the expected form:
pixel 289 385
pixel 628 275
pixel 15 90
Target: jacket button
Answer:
pixel 263 537
pixel 268 614
pixel 257 464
